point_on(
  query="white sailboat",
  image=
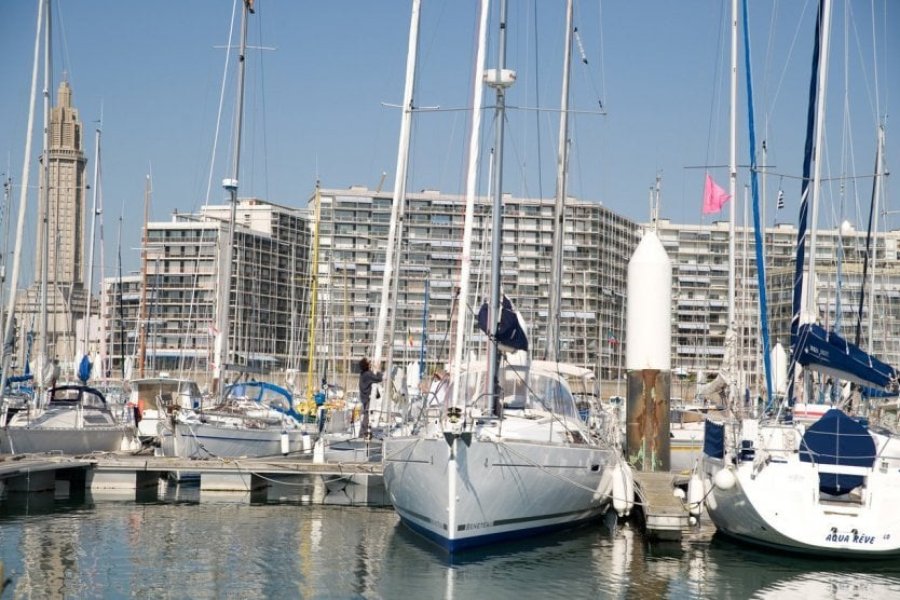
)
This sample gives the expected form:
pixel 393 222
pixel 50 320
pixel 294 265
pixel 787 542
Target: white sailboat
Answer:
pixel 826 484
pixel 495 464
pixel 236 425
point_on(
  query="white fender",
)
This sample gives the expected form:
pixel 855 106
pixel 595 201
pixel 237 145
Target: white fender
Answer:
pixel 618 490
pixel 695 494
pixel 629 489
pixel 724 479
pixel 622 489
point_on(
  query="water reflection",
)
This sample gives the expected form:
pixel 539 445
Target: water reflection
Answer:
pixel 182 543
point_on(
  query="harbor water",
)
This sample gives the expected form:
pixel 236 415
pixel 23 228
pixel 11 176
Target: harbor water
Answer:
pixel 302 541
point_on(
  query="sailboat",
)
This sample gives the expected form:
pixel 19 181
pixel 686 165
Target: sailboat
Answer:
pixel 494 464
pixel 75 418
pixel 825 484
pixel 239 424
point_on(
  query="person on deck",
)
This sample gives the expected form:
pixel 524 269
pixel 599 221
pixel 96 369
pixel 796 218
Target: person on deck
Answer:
pixel 366 378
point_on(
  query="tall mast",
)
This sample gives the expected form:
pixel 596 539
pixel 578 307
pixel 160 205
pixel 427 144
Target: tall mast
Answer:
pixel 462 302
pixel 817 162
pixel 390 282
pixel 142 321
pixel 732 169
pixel 499 80
pixel 44 367
pixel 231 186
pixel 815 105
pixel 86 348
pixel 103 357
pixel 313 300
pixel 869 256
pixel 556 274
pixel 120 311
pixel 8 326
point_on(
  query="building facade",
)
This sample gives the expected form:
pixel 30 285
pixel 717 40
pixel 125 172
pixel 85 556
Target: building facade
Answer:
pixel 354 228
pixel 164 320
pixel 699 255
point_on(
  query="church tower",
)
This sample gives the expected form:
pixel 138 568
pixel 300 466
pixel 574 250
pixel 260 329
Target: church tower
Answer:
pixel 62 203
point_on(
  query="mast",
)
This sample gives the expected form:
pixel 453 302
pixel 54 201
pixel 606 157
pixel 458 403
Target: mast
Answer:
pixel 103 357
pixel 9 325
pixel 873 210
pixel 121 311
pixel 730 337
pixel 499 79
pixel 814 107
pixel 732 168
pixel 43 371
pixel 313 299
pixel 142 321
pixel 817 162
pixel 390 282
pixel 90 271
pixel 231 186
pixel 462 320
pixel 562 164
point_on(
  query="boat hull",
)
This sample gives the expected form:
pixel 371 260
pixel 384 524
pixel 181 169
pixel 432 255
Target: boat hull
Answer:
pixel 466 492
pixel 201 440
pixel 779 506
pixel 71 441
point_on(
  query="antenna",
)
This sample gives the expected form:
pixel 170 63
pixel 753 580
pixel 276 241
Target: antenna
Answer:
pixel 381 181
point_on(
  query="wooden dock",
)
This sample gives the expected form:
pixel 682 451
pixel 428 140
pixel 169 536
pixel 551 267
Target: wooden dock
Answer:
pixel 131 473
pixel 665 515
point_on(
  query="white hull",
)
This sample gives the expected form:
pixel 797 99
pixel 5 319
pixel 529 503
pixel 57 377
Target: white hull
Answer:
pixel 201 440
pixel 70 441
pixel 777 503
pixel 467 493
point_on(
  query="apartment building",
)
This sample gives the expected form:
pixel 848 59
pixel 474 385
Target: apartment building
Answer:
pixel 699 255
pixel 354 226
pixel 168 311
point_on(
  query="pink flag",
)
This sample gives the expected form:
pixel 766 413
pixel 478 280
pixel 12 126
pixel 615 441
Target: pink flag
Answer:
pixel 714 197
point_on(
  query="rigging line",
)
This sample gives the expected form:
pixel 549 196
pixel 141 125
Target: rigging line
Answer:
pixel 262 95
pixel 822 179
pixel 875 58
pixel 787 61
pixel 714 117
pixel 850 22
pixel 587 73
pixel 212 166
pixel 600 52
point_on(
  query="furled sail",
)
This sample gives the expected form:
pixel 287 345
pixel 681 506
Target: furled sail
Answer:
pixel 511 332
pixel 827 352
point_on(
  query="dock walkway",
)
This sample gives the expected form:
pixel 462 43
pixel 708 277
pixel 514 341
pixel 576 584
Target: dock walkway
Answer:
pixel 665 515
pixel 111 471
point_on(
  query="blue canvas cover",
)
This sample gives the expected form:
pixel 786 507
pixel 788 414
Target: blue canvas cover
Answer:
pixel 269 394
pixel 837 439
pixel 714 439
pixel 84 369
pixel 826 351
pixel 510 332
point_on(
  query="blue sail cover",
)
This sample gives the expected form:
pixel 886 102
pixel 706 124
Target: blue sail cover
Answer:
pixel 268 394
pixel 510 332
pixel 714 439
pixel 836 439
pixel 826 351
pixel 84 369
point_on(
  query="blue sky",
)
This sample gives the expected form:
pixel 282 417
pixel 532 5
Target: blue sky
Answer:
pixel 315 105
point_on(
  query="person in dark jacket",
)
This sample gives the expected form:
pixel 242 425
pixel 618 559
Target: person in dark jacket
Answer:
pixel 366 378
